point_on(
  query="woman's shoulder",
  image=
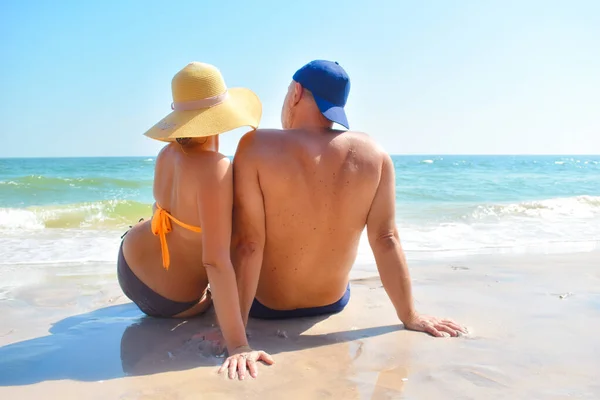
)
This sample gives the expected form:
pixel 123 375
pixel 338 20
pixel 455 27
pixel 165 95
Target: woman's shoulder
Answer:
pixel 164 154
pixel 210 168
pixel 173 155
pixel 209 159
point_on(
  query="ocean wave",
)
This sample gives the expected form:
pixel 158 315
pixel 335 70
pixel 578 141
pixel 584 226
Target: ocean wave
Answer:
pixel 41 183
pixel 572 207
pixel 122 213
pixel 95 215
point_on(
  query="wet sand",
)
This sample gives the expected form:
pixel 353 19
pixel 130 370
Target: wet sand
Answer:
pixel 533 320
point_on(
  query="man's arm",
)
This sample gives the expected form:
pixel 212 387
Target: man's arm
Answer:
pixel 391 262
pixel 248 223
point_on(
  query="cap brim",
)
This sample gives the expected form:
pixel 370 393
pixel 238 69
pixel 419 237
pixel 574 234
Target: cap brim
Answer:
pixel 242 108
pixel 332 112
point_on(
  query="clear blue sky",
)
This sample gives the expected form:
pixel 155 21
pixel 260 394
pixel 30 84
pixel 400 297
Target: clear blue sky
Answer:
pixel 87 78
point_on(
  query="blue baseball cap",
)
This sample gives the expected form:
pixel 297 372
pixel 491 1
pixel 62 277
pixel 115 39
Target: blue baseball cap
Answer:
pixel 330 86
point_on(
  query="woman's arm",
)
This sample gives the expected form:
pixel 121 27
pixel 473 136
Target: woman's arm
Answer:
pixel 215 198
pixel 248 224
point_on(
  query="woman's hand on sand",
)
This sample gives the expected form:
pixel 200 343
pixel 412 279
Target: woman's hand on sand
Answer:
pixel 434 326
pixel 245 360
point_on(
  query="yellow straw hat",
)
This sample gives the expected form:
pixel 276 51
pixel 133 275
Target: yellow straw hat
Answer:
pixel 203 106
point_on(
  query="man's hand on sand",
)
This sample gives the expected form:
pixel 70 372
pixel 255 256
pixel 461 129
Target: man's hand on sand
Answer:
pixel 240 363
pixel 434 326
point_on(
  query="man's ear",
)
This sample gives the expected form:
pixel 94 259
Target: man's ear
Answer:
pixel 298 92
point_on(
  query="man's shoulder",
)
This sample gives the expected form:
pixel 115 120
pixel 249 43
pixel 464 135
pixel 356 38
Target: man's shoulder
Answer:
pixel 360 135
pixel 257 140
pixel 264 136
pixel 260 140
pixel 362 141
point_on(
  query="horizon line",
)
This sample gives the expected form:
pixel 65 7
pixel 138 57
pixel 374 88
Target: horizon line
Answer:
pixel 391 154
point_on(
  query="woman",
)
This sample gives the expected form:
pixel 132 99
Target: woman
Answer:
pixel 165 264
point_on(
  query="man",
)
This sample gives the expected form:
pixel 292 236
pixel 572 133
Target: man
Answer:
pixel 302 197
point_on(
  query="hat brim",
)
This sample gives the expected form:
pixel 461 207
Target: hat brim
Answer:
pixel 242 108
pixel 332 112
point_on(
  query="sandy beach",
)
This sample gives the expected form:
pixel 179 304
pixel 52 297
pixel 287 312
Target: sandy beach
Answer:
pixel 488 110
pixel 533 322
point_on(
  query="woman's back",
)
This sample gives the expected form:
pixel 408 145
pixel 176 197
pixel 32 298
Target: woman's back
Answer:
pixel 164 264
pixel 178 187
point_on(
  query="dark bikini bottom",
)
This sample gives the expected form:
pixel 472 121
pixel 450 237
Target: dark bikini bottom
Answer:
pixel 150 302
pixel 261 311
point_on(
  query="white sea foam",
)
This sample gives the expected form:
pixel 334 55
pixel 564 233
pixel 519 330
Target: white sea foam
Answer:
pixel 58 246
pixel 30 241
pixel 551 209
pixel 546 226
pixel 34 256
pixel 14 218
pixel 92 215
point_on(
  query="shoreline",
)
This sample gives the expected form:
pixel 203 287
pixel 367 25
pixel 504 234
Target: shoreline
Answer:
pixel 532 321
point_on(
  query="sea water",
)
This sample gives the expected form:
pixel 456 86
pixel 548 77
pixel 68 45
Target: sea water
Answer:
pixel 67 215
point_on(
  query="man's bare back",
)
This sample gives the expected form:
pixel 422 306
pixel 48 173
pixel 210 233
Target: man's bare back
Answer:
pixel 303 196
pixel 318 188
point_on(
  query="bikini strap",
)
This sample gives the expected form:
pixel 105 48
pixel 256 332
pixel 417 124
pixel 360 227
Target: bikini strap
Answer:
pixel 161 225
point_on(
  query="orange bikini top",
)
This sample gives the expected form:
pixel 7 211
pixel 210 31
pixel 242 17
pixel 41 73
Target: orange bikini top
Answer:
pixel 161 225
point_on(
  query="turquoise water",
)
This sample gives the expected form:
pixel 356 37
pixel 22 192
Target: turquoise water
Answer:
pixel 73 210
pixel 47 181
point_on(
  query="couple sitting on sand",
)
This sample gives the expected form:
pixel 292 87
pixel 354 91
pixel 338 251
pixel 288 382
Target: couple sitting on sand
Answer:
pixel 275 232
